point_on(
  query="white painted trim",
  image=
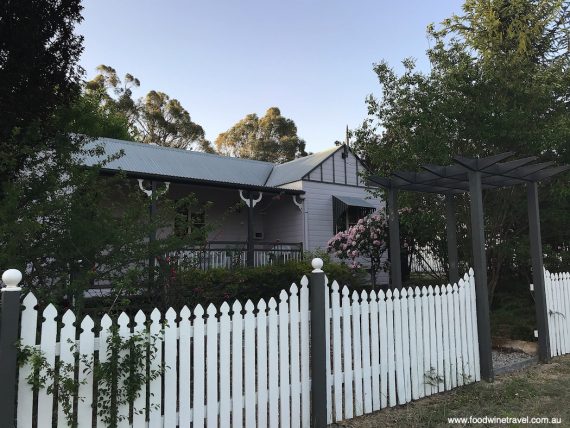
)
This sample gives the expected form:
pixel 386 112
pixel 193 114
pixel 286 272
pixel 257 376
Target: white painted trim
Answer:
pixel 246 200
pixel 299 204
pixel 149 192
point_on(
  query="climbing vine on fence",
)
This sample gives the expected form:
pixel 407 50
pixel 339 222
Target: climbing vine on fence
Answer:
pixel 119 378
pixel 59 379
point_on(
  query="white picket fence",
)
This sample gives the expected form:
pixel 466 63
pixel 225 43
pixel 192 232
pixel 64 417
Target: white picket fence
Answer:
pixel 394 347
pixel 231 369
pixel 557 287
pixel 234 369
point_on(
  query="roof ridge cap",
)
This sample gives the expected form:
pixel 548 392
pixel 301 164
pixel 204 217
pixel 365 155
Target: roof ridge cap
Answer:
pixel 331 149
pixel 188 152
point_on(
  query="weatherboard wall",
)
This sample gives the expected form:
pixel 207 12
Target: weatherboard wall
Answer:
pixel 228 223
pixel 319 212
pixel 283 220
pixel 319 209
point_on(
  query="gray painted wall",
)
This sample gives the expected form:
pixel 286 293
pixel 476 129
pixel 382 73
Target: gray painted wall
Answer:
pixel 319 209
pixel 319 214
pixel 283 221
pixel 340 177
pixel 277 217
pixel 227 226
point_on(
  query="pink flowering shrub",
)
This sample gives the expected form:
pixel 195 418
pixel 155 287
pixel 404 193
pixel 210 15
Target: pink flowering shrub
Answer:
pixel 365 241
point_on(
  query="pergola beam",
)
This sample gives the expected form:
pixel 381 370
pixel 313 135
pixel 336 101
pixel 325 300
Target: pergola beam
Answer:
pixel 382 181
pixel 431 188
pixel 509 166
pixel 523 173
pixel 450 171
pixel 479 164
pixel 547 173
pixel 454 179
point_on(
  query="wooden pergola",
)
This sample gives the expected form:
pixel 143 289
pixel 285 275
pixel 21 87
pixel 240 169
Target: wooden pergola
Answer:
pixel 473 175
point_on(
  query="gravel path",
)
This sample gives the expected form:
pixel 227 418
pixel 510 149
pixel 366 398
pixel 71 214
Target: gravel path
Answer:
pixel 505 359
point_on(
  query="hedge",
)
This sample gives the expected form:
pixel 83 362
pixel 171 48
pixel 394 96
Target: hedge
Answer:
pixel 218 285
pixel 190 286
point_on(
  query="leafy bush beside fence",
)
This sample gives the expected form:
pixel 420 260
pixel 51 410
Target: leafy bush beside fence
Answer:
pixel 193 286
pixel 219 285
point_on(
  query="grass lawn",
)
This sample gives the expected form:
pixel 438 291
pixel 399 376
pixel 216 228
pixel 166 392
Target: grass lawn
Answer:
pixel 539 391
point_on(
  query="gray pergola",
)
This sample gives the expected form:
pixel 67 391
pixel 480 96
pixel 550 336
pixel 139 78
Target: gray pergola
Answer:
pixel 474 176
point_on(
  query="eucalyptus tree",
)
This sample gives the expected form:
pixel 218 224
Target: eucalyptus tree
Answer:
pixel 155 118
pixel 271 138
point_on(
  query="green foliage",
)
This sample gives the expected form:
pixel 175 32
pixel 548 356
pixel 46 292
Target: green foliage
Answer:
pixel 68 227
pixel 190 286
pixel 156 118
pixel 88 115
pixel 119 379
pixel 64 226
pixel 365 240
pixel 60 379
pixel 513 311
pixel 39 74
pixel 271 138
pixel 498 82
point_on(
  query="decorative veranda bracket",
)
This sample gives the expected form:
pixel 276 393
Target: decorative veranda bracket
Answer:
pixel 148 192
pixel 298 200
pixel 246 200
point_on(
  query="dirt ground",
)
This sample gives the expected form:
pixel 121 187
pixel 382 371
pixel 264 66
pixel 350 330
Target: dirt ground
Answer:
pixel 539 391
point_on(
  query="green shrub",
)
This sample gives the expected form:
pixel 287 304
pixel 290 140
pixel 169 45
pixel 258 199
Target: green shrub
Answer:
pixel 191 286
pixel 218 285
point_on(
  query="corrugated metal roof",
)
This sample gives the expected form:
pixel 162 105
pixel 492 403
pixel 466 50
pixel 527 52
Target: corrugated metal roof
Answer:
pixel 186 164
pixel 156 160
pixel 298 168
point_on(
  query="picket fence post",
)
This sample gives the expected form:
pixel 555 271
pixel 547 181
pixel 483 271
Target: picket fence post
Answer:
pixel 319 352
pixel 9 330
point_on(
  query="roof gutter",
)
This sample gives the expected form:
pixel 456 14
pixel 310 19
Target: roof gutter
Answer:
pixel 209 183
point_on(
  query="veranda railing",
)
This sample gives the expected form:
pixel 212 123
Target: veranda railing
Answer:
pixel 232 254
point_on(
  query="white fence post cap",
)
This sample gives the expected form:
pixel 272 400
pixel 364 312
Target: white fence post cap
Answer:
pixel 317 265
pixel 12 278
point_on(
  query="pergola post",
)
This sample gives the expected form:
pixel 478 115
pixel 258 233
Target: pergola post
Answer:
pixel 538 272
pixel 394 226
pixel 480 262
pixel 451 219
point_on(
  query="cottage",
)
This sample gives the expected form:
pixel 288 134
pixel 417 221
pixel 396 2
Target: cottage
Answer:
pixel 288 207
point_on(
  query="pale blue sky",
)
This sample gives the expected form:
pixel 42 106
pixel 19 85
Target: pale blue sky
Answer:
pixel 225 59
